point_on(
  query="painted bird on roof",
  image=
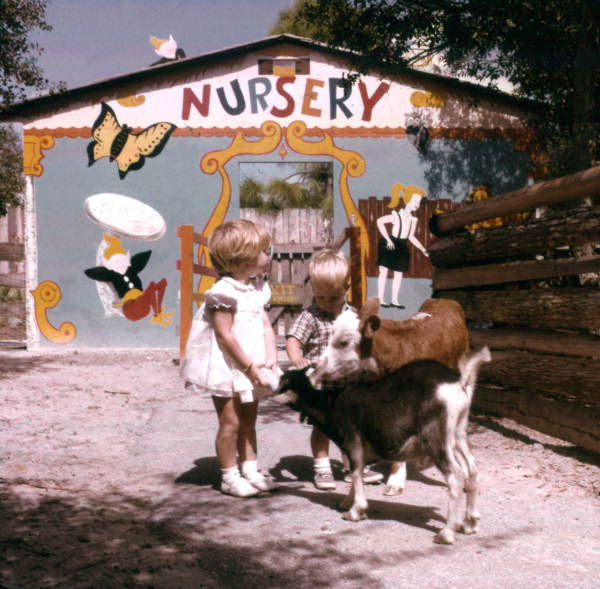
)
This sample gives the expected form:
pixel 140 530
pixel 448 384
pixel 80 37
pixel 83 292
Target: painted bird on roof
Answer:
pixel 166 49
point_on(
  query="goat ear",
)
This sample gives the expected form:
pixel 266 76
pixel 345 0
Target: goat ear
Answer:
pixel 371 307
pixel 372 324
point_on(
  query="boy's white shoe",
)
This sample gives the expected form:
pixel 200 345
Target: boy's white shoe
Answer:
pixel 258 480
pixel 238 487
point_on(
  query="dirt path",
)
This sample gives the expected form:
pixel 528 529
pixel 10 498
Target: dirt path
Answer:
pixel 108 478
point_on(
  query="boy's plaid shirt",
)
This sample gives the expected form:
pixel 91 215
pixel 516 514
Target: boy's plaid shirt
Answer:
pixel 313 329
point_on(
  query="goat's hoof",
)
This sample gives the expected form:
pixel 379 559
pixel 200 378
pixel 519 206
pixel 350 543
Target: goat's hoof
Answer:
pixel 392 490
pixel 353 516
pixel 469 526
pixel 445 536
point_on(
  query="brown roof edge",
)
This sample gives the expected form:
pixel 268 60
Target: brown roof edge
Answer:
pixel 43 105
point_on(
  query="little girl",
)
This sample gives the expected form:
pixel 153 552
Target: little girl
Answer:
pixel 230 341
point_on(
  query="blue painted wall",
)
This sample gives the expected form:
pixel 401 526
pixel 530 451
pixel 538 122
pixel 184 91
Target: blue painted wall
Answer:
pixel 175 186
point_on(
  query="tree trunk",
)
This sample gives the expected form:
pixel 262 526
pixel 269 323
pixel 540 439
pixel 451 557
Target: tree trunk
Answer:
pixel 567 308
pixel 564 377
pixel 542 341
pixel 574 227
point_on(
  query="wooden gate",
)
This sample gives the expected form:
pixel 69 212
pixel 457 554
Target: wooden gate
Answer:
pixel 531 292
pixel 12 277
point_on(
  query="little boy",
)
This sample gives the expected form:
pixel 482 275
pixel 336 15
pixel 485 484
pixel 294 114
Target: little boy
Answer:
pixel 306 340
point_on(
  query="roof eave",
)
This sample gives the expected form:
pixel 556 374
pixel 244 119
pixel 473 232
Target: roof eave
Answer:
pixel 38 107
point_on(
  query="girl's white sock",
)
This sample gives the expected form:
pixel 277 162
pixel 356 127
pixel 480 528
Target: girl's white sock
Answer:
pixel 230 473
pixel 322 464
pixel 249 466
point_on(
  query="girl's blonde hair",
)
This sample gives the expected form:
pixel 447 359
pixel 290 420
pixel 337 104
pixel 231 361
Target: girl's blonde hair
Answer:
pixel 237 243
pixel 404 193
pixel 329 269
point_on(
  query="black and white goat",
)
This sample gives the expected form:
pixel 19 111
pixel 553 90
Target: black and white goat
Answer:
pixel 364 341
pixel 418 412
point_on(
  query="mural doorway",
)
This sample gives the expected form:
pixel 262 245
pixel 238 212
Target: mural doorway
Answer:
pixel 294 202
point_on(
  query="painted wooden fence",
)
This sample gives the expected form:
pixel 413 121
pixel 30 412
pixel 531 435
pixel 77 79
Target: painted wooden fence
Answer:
pixel 294 226
pixel 374 207
pixel 531 293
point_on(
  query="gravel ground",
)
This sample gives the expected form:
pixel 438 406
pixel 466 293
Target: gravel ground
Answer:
pixel 108 480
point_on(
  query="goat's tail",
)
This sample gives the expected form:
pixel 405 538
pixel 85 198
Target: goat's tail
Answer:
pixel 469 368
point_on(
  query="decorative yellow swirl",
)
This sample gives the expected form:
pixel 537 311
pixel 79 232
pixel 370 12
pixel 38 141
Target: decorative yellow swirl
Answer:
pixel 46 296
pixel 214 161
pixel 354 166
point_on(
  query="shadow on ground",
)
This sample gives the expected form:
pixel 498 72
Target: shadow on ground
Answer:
pixel 576 452
pixel 121 541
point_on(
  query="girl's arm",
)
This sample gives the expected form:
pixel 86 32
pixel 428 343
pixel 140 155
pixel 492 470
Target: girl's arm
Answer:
pixel 381 221
pixel 270 345
pixel 413 238
pixel 222 324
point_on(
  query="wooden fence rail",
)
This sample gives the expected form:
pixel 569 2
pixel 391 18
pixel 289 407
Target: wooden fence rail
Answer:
pixel 527 294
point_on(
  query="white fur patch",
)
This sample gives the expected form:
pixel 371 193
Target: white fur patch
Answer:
pixel 453 396
pixel 421 315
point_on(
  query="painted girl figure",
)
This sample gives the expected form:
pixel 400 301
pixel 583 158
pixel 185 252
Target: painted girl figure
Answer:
pixel 392 250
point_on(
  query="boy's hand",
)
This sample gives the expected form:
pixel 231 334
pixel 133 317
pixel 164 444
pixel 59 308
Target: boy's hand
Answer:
pixel 301 363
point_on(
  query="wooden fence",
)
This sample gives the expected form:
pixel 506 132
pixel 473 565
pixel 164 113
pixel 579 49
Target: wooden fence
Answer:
pixel 12 276
pixel 531 293
pixel 294 226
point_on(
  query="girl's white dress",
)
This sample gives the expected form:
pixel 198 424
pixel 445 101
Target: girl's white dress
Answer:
pixel 206 368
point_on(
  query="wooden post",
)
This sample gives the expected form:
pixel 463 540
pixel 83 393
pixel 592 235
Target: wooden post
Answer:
pixel 562 189
pixel 186 283
pixel 356 290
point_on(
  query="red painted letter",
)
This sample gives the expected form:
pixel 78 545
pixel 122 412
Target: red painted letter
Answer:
pixel 369 103
pixel 190 98
pixel 289 109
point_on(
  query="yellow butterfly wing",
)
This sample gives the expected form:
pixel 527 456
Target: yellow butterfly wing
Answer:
pixel 149 143
pixel 110 139
pixel 104 131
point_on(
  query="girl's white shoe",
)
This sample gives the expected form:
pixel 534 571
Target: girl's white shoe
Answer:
pixel 259 481
pixel 239 487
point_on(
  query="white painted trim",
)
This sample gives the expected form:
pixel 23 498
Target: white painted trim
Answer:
pixel 31 263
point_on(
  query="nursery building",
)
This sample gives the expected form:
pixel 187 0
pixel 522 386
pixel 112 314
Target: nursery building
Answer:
pixel 115 168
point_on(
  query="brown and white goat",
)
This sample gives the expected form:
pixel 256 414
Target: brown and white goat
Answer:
pixel 366 342
pixel 418 412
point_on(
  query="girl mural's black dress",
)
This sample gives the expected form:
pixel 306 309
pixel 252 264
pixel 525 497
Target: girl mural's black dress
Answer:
pixel 396 259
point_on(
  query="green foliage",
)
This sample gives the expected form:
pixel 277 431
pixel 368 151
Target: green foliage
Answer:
pixel 250 194
pixel 308 188
pixel 18 72
pixel 18 68
pixel 10 295
pixel 287 21
pixel 549 51
pixel 11 165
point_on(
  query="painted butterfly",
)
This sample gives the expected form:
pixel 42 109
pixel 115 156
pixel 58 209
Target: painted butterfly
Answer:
pixel 119 143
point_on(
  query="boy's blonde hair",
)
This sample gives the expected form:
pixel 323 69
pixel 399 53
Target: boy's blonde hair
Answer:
pixel 329 269
pixel 237 243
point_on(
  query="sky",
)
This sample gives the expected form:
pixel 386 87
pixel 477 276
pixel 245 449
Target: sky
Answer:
pixel 94 40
